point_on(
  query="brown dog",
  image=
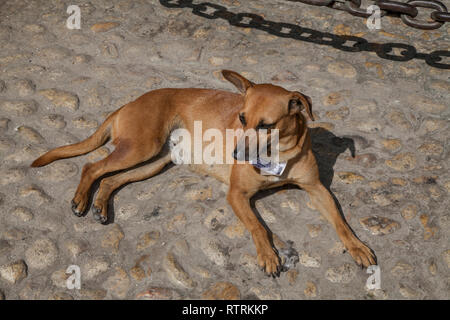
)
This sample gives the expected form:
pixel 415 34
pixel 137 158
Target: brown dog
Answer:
pixel 140 129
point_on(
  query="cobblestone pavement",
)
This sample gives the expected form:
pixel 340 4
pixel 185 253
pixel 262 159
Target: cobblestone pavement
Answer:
pixel 174 236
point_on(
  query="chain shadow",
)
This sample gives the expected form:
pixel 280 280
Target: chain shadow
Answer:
pixel 297 32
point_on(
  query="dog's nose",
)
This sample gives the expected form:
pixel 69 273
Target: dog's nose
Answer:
pixel 235 154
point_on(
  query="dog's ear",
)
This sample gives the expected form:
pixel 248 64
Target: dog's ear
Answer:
pixel 239 81
pixel 300 102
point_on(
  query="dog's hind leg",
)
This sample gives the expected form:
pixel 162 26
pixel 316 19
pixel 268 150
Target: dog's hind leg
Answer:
pixel 109 184
pixel 127 154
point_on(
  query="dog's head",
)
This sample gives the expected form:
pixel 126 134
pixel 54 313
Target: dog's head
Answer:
pixel 269 107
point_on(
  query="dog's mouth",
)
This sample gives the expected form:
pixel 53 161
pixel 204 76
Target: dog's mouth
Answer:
pixel 254 150
pixel 247 154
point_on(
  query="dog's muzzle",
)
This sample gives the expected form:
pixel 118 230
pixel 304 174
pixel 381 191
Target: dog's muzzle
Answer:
pixel 247 154
pixel 241 154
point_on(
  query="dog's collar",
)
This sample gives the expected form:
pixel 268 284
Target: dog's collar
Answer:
pixel 269 168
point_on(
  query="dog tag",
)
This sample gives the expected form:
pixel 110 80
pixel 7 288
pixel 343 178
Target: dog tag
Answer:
pixel 269 168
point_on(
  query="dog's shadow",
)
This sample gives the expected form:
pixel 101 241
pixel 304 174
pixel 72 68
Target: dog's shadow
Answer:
pixel 326 148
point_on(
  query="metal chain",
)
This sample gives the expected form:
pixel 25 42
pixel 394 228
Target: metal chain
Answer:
pixel 408 11
pixel 286 30
pixel 411 21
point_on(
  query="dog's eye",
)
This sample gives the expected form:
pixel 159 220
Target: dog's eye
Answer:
pixel 294 103
pixel 242 119
pixel 263 125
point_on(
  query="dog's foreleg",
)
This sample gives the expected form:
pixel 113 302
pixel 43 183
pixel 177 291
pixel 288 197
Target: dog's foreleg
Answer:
pixel 322 200
pixel 267 258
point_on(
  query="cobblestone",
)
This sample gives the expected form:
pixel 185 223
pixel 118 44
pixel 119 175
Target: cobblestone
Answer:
pixel 14 272
pixel 41 254
pixel 174 236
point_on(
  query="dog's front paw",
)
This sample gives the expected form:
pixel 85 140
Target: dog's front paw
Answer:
pixel 363 255
pixel 269 262
pixel 99 213
pixel 78 206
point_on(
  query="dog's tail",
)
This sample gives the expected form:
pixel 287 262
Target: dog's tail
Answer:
pixel 99 137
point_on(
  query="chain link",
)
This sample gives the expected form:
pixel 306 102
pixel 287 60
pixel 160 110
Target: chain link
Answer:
pixel 441 16
pixel 408 11
pixel 354 8
pixel 412 22
pixel 398 7
pixel 286 30
pixel 321 3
